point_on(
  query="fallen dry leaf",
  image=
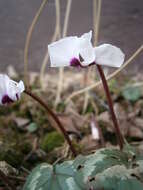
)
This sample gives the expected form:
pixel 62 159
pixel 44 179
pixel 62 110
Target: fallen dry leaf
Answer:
pixel 135 132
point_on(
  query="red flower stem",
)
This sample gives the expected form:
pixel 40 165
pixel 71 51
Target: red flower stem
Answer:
pixel 110 103
pixel 6 181
pixel 53 115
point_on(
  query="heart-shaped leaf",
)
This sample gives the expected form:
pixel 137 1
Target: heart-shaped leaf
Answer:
pixel 108 169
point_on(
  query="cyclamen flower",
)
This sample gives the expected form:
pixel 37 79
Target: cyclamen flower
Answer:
pixel 78 51
pixel 10 90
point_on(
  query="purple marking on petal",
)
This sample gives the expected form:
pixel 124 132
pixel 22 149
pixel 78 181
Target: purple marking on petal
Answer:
pixel 74 62
pixel 6 99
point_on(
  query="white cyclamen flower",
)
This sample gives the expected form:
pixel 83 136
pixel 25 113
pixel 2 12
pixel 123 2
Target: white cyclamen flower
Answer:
pixel 78 51
pixel 10 90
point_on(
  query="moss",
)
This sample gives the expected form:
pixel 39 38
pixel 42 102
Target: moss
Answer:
pixel 61 107
pixel 114 86
pixel 26 148
pixel 52 140
pixel 78 147
pixel 12 157
pixel 89 109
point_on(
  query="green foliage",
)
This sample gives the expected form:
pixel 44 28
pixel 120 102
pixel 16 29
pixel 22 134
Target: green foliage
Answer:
pixel 131 93
pixel 61 107
pixel 107 169
pixel 52 140
pixel 32 127
pixel 117 177
pixel 54 177
pixel 89 109
pixel 114 86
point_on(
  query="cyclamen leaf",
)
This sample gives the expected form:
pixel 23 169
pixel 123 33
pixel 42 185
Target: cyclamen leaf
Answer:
pixel 57 177
pixel 130 184
pixel 39 177
pixel 138 171
pixel 86 167
pixel 116 178
pixel 132 93
pixel 108 169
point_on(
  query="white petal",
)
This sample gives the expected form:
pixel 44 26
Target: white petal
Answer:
pixel 10 88
pixel 61 52
pixel 3 80
pixel 86 49
pixel 87 35
pixel 109 55
pixel 21 86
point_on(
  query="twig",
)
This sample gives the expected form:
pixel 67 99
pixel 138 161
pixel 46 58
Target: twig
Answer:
pixel 53 115
pixel 57 34
pixel 96 19
pixel 96 22
pixel 61 70
pixel 110 103
pixel 22 179
pixel 25 170
pixel 60 86
pixel 138 51
pixel 87 75
pixel 67 14
pixel 6 181
pixel 100 101
pixel 28 39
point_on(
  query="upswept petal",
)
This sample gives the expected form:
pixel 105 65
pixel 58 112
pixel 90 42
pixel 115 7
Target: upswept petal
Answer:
pixel 21 88
pixel 15 89
pixel 62 51
pixel 109 55
pixel 86 49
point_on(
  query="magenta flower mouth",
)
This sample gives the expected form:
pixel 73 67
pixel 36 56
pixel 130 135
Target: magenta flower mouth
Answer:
pixel 6 99
pixel 76 63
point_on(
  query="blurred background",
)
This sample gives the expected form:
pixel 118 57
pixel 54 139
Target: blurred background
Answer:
pixel 121 24
pixel 26 28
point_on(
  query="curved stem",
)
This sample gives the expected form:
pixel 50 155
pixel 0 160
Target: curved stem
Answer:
pixel 110 103
pixel 53 115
